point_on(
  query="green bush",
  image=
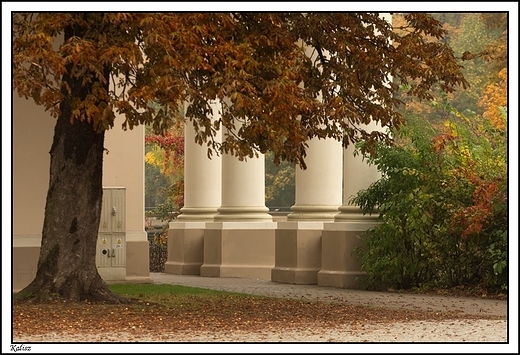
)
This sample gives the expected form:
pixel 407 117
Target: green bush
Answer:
pixel 442 204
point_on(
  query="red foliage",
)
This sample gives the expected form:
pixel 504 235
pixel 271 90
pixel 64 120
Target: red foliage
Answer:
pixel 171 144
pixel 168 142
pixel 485 196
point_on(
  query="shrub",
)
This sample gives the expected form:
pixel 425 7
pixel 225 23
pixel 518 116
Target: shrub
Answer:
pixel 442 204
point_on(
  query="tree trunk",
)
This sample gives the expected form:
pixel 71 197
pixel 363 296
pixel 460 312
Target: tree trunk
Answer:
pixel 67 261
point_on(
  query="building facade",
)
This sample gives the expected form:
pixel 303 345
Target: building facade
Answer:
pixel 224 229
pixel 123 166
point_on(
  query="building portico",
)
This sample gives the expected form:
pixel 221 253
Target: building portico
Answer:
pixel 224 229
pixel 314 246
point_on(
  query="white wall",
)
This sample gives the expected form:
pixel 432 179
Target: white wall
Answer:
pixel 33 130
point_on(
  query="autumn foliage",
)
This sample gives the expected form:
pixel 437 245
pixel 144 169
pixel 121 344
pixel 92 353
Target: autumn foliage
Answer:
pixel 281 78
pixel 267 69
pixel 165 154
pixel 495 97
pixel 442 202
pixel 443 197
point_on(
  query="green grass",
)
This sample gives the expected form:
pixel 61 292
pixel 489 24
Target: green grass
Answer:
pixel 143 290
pixel 172 295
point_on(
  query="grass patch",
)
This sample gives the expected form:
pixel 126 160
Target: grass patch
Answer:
pixel 174 295
pixel 143 290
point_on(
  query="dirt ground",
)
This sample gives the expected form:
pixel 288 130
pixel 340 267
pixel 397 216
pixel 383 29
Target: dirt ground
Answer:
pixel 225 317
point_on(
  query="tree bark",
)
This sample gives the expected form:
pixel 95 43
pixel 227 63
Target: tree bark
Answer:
pixel 67 262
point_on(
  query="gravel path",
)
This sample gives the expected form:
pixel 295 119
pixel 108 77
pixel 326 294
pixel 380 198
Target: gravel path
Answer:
pixel 466 305
pixel 470 335
pixel 466 336
pixel 465 330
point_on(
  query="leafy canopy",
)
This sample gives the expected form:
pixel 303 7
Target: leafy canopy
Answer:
pixel 282 78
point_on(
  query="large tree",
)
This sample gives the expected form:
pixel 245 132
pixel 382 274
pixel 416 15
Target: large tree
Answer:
pixel 86 68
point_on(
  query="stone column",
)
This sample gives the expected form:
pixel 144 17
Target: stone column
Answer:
pixel 240 241
pixel 340 268
pixel 358 175
pixel 202 177
pixel 202 197
pixel 243 190
pixel 318 188
pixel 318 196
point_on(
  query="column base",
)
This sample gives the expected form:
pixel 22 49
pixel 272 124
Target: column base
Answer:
pixel 296 276
pixel 312 213
pixel 239 249
pixel 243 214
pixel 298 252
pixel 340 266
pixel 185 248
pixel 197 214
pixel 256 272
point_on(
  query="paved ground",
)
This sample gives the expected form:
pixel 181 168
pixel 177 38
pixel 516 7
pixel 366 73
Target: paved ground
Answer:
pixel 451 335
pixel 475 306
